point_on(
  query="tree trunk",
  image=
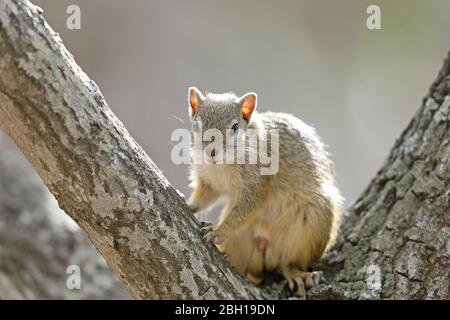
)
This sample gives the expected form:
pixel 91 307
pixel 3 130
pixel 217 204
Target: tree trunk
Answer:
pixel 394 244
pixel 97 172
pixel 38 243
pixel 396 241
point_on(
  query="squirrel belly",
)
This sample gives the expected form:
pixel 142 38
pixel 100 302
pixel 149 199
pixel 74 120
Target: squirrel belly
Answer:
pixel 281 222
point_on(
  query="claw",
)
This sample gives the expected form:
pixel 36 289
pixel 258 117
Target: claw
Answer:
pixel 204 224
pixel 212 237
pixel 297 287
pixel 299 281
pixel 206 230
pixel 209 233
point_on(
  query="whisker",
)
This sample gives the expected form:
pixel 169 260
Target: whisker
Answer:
pixel 179 119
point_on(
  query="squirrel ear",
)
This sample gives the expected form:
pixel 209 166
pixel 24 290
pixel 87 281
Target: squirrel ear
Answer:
pixel 248 104
pixel 195 98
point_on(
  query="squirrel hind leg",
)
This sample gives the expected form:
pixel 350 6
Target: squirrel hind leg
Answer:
pixel 257 269
pixel 299 280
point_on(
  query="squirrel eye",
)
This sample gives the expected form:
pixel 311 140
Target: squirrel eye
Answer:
pixel 235 127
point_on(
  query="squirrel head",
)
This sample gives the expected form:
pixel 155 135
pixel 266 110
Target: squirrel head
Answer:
pixel 220 118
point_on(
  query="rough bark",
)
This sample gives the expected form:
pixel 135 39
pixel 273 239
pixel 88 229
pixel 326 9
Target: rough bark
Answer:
pixel 97 172
pixel 396 241
pixel 394 244
pixel 38 242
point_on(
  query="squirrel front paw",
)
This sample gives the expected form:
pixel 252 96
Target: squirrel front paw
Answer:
pixel 210 234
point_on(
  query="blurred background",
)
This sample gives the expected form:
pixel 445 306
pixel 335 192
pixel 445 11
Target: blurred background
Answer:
pixel 314 59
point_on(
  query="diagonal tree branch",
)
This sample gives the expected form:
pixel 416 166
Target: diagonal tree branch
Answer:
pixel 396 241
pixel 38 242
pixel 97 172
pixel 394 244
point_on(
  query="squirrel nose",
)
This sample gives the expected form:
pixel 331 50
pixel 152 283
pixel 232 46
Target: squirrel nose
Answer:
pixel 213 152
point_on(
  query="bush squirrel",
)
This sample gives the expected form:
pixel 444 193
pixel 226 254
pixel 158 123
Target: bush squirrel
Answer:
pixel 281 222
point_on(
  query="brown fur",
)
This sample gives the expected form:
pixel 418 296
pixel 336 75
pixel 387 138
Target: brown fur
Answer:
pixel 282 222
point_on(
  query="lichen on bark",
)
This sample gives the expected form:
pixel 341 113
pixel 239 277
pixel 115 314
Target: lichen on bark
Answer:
pixel 394 242
pixel 97 172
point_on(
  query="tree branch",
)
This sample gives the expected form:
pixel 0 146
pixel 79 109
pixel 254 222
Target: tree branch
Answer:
pixel 393 245
pixel 97 172
pixel 38 242
pixel 395 242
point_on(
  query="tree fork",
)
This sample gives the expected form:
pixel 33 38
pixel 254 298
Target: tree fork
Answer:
pixel 394 243
pixel 97 172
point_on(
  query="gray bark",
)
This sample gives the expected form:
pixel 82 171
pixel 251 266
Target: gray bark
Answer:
pixel 97 172
pixel 396 241
pixel 38 242
pixel 394 244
